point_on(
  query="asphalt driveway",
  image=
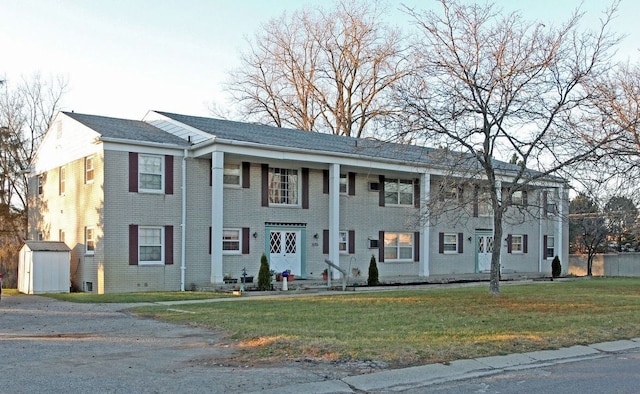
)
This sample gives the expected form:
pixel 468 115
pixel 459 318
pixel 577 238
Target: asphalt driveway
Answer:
pixel 50 346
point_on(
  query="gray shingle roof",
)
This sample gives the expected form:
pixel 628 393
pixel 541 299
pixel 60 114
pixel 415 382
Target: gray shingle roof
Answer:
pixel 276 136
pixel 126 129
pixel 48 246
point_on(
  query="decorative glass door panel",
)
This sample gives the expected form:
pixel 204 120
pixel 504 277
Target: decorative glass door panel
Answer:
pixel 284 251
pixel 484 250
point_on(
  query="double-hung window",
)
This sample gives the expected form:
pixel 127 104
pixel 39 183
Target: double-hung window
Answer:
pixel 90 240
pixel 551 251
pixel 519 198
pixel 231 241
pixel 150 242
pixel 151 173
pixel 398 192
pixel 343 184
pixel 283 186
pixel 62 174
pixel 517 244
pixel 88 169
pixel 232 175
pixel 450 243
pixel 398 246
pixel 343 242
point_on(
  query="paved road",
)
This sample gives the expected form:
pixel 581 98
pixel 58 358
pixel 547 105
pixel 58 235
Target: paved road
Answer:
pixel 49 346
pixel 614 373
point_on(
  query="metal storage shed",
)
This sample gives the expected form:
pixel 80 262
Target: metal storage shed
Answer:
pixel 44 267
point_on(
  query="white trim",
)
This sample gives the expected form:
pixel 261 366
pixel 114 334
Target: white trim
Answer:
pixel 232 252
pixel 397 247
pixel 161 174
pixel 161 245
pixel 444 243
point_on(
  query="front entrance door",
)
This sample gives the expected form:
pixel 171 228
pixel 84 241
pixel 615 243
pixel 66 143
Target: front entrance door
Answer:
pixel 484 250
pixel 285 251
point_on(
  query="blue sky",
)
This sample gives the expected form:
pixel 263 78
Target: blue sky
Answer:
pixel 124 57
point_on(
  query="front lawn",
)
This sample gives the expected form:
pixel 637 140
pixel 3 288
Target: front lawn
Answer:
pixel 422 326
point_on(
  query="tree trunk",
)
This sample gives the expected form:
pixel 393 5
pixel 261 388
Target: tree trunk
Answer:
pixel 494 284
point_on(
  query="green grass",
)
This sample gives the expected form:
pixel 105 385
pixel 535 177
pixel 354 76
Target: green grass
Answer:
pixel 136 297
pixel 422 326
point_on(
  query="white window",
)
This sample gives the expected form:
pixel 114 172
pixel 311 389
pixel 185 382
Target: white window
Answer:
pixel 231 241
pixel 519 197
pixel 150 242
pixel 88 169
pixel 398 192
pixel 343 242
pixel 551 252
pixel 398 246
pixel 40 184
pixel 450 243
pixel 343 184
pixel 62 174
pixel 232 174
pixel 517 244
pixel 151 173
pixel 283 186
pixel 90 240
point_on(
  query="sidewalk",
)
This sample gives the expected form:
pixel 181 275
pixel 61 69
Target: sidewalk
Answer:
pixel 422 376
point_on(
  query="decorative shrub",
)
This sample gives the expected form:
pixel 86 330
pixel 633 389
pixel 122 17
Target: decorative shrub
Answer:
pixel 264 275
pixel 372 280
pixel 556 267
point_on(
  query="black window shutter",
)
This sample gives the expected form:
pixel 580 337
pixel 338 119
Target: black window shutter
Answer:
pixel 544 203
pixel 352 183
pixel 245 240
pixel 325 241
pixel 209 239
pixel 460 243
pixel 509 247
pixel 381 246
pixel 246 174
pixel 305 188
pixel 352 241
pixel 440 242
pixel 133 244
pixel 133 172
pixel 325 181
pixel 416 246
pixel 168 174
pixel 544 247
pixel 416 193
pixel 265 185
pixel 381 195
pixel 525 242
pixel 168 245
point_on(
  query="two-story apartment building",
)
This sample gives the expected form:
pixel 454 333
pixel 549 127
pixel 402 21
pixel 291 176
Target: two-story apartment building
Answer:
pixel 174 200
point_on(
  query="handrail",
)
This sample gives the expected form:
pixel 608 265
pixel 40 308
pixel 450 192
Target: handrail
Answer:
pixel 344 274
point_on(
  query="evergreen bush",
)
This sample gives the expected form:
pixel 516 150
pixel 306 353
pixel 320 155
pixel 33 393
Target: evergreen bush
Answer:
pixel 264 275
pixel 556 267
pixel 372 280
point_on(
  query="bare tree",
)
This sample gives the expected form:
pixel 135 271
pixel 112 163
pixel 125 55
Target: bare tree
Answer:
pixel 321 70
pixel 621 214
pixel 587 229
pixel 492 82
pixel 26 112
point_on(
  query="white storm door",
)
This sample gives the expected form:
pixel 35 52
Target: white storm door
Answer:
pixel 284 251
pixel 484 251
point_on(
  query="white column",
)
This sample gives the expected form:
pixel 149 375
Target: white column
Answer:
pixel 425 193
pixel 217 208
pixel 558 238
pixel 334 214
pixel 499 194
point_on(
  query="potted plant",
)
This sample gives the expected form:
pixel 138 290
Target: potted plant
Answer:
pixel 325 274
